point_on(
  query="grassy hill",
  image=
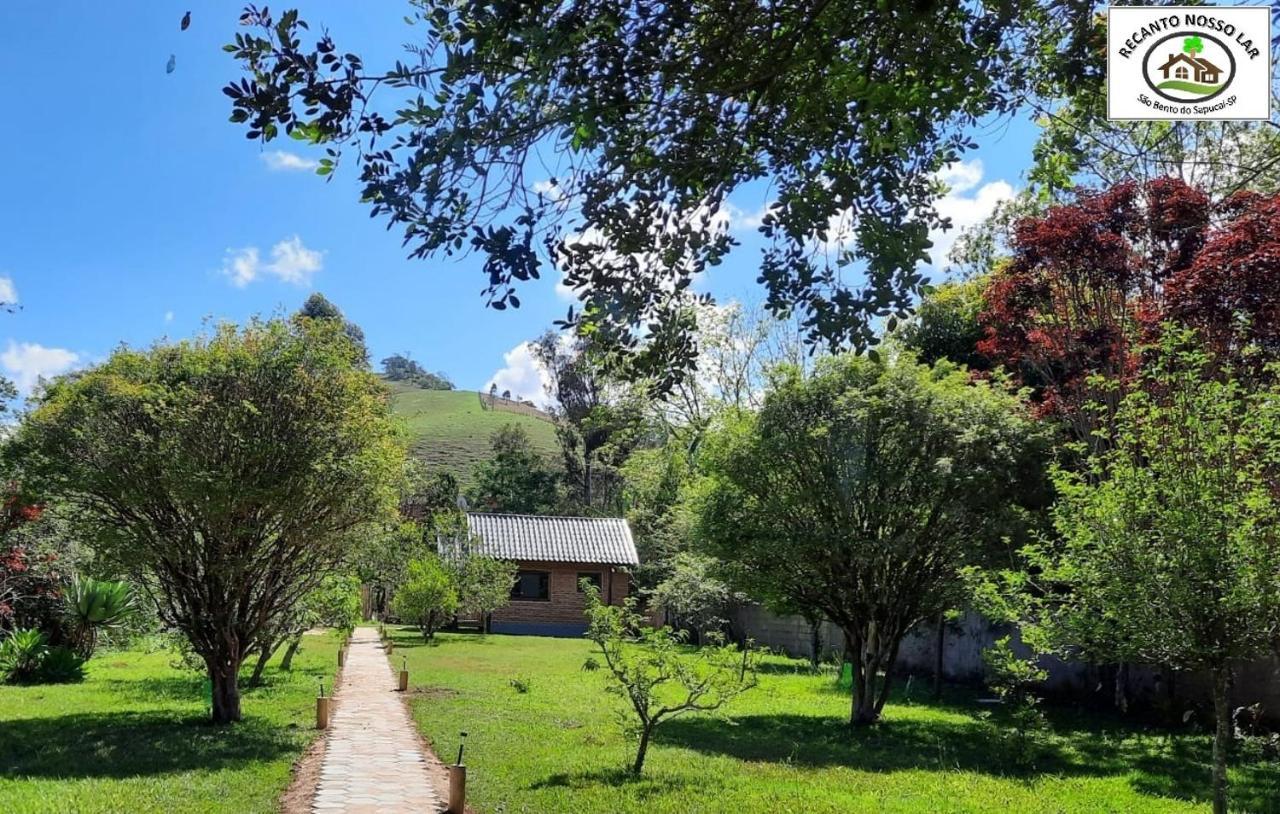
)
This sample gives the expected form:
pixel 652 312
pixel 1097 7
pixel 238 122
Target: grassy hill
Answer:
pixel 450 430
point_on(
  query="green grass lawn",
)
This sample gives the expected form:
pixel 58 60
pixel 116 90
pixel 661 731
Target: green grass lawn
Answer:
pixel 133 738
pixel 783 747
pixel 450 430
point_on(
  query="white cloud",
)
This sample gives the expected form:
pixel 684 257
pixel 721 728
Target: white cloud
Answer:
pixel 291 262
pixel 8 291
pixel 961 176
pixel 241 265
pixel 281 161
pixel 523 375
pixel 740 219
pixel 168 316
pixel 967 204
pixel 28 362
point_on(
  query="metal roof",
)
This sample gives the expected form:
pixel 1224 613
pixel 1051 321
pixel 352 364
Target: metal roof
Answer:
pixel 605 540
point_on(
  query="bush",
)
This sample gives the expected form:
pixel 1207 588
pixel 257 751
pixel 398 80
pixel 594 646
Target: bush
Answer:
pixel 26 658
pixel 428 597
pixel 650 669
pixel 97 605
pixel 61 665
pixel 1011 678
pixel 22 654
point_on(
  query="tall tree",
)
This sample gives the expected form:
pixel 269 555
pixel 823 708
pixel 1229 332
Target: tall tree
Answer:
pixel 225 474
pixel 1168 547
pixel 515 478
pixel 659 113
pixel 858 495
pixel 318 306
pixel 599 420
pixel 1091 280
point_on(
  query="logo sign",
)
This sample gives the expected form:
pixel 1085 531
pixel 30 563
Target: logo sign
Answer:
pixel 1188 62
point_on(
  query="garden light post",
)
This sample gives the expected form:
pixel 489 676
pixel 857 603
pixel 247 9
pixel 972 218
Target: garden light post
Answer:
pixel 458 781
pixel 322 709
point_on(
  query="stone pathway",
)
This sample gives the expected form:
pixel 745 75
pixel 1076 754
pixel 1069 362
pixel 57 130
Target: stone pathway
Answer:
pixel 374 761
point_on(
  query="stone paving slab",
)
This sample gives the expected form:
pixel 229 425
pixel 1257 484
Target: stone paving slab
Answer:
pixel 373 761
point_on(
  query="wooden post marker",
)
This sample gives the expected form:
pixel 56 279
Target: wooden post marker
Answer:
pixel 404 676
pixel 458 781
pixel 457 789
pixel 322 709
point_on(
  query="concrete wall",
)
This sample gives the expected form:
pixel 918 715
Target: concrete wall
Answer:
pixel 1148 687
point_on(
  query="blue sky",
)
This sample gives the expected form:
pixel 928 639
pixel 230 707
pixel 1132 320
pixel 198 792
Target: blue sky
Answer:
pixel 133 210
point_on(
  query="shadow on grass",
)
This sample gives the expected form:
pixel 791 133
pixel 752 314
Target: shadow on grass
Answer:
pixel 1169 765
pixel 407 638
pixel 127 744
pixel 641 787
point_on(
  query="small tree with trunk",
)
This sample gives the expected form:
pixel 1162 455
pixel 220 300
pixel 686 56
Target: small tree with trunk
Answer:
pixel 860 493
pixel 428 597
pixel 225 474
pixel 1169 548
pixel 653 672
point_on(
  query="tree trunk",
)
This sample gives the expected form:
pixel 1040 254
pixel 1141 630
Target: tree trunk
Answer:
pixel 865 669
pixel 642 750
pixel 224 675
pixel 286 663
pixel 939 650
pixel 815 643
pixel 1221 736
pixel 264 655
pixel 1122 687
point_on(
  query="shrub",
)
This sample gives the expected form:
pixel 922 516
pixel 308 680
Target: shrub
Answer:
pixel 61 665
pixel 657 680
pixel 1011 678
pixel 96 605
pixel 22 654
pixel 428 596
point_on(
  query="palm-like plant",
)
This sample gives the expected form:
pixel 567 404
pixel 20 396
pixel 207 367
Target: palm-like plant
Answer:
pixel 21 655
pixel 95 605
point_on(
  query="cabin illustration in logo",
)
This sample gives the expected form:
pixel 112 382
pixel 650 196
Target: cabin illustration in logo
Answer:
pixel 1187 68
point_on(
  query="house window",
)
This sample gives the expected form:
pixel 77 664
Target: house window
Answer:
pixel 532 586
pixel 1180 72
pixel 596 578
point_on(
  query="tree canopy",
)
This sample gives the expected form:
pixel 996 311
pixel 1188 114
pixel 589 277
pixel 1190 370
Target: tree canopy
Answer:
pixel 657 113
pixel 515 479
pixel 400 368
pixel 225 474
pixel 1168 545
pixel 858 495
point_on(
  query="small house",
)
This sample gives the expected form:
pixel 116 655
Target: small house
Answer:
pixel 1190 69
pixel 554 555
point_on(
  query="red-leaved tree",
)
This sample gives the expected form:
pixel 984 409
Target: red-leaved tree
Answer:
pixel 28 584
pixel 1091 281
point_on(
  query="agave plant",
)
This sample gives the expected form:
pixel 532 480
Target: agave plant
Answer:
pixel 22 654
pixel 97 605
